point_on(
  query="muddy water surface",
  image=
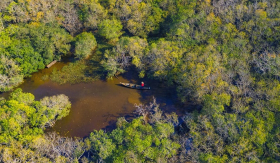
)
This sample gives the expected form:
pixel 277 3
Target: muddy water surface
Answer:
pixel 98 104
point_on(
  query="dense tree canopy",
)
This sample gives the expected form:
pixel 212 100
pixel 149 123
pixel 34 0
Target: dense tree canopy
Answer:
pixel 84 45
pixel 110 29
pixel 9 74
pixel 22 123
pixel 26 48
pixel 21 115
pixel 222 56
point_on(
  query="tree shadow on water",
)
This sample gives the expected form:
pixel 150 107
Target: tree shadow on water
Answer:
pixel 112 124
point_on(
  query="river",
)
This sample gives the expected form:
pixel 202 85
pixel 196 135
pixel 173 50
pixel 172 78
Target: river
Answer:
pixel 97 105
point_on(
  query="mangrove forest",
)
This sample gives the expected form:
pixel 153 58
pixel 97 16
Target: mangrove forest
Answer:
pixel 212 68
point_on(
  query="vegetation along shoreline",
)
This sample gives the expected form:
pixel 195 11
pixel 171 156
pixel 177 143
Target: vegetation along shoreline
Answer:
pixel 221 56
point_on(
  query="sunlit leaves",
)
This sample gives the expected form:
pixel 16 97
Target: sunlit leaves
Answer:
pixel 140 18
pixel 22 118
pixel 164 58
pixel 110 29
pixel 57 107
pixel 91 13
pixel 214 104
pixel 127 50
pixel 18 95
pixel 9 74
pixel 102 144
pixel 30 47
pixel 84 45
pixel 261 13
pixel 136 140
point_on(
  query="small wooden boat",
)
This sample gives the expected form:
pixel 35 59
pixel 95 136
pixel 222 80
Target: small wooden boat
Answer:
pixel 134 86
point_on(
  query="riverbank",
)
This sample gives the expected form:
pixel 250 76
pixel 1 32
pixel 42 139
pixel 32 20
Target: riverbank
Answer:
pixel 97 104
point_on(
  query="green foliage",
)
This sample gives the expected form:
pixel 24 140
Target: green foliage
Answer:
pixel 111 65
pixel 140 18
pixel 9 74
pixel 223 56
pixel 230 68
pixel 91 13
pixel 164 59
pixel 85 43
pixel 141 141
pixel 73 73
pixel 22 122
pixel 127 50
pixel 110 29
pixel 102 144
pixel 214 104
pixel 30 47
pixel 50 41
pixel 58 107
pixel 18 95
pixel 22 118
pixel 43 43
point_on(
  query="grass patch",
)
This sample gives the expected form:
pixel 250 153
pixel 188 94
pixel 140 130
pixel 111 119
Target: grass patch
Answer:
pixel 86 70
pixel 73 73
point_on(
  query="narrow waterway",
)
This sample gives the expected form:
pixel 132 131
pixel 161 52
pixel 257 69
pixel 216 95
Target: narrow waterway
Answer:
pixel 97 105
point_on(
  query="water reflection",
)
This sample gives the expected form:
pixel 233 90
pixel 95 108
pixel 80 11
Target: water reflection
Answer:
pixel 97 105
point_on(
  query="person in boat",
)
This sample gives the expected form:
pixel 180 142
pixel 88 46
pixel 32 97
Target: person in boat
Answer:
pixel 142 84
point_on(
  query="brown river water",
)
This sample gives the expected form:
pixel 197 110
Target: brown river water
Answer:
pixel 97 105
